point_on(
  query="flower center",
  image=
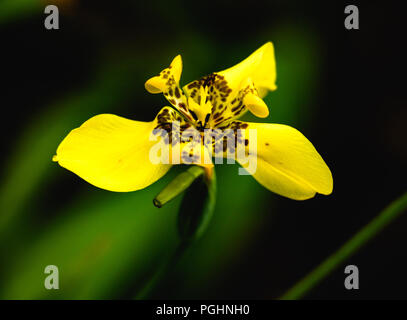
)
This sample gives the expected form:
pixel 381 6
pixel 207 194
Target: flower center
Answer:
pixel 200 112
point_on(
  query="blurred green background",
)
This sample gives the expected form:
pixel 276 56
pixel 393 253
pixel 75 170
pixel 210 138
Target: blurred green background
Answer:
pixel 340 88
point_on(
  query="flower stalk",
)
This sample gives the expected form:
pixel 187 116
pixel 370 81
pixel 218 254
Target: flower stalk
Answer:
pixel 194 215
pixel 197 208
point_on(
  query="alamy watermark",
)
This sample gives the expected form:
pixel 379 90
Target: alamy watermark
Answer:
pixel 352 280
pixel 52 19
pixel 192 146
pixel 352 20
pixel 52 280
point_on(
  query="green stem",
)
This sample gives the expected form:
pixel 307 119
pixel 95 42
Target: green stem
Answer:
pixel 395 209
pixel 194 214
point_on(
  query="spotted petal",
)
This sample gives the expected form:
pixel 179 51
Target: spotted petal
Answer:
pixel 240 88
pixel 287 162
pixel 167 82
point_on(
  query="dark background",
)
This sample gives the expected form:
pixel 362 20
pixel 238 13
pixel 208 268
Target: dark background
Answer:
pixel 345 90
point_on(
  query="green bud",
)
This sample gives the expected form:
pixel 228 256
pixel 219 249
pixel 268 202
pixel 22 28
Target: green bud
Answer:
pixel 178 185
pixel 197 204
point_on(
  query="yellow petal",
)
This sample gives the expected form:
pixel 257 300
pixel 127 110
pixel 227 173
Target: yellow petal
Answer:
pixel 176 68
pixel 111 153
pixel 260 66
pixel 287 162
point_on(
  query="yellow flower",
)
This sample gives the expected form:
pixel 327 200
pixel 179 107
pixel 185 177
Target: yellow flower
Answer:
pixel 113 153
